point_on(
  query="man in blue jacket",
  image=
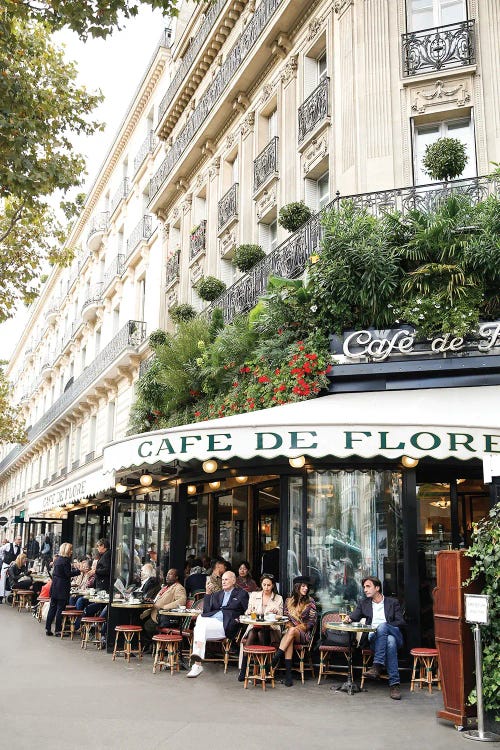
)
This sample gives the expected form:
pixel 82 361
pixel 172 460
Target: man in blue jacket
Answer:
pixel 384 614
pixel 219 619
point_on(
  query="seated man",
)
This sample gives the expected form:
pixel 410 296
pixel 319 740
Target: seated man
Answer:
pixel 219 619
pixel 171 596
pixel 383 613
pixel 150 585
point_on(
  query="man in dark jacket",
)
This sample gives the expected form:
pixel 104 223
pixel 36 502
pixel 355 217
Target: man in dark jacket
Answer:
pixel 219 619
pixel 103 569
pixel 383 613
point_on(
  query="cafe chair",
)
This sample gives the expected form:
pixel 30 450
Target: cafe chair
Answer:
pixel 166 652
pixel 91 629
pixel 39 607
pixel 259 667
pixel 70 616
pixel 425 668
pixel 367 659
pixel 303 651
pixel 328 651
pixel 23 598
pixel 128 632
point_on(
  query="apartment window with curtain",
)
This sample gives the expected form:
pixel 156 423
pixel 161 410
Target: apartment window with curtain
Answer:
pixel 268 235
pixel 426 14
pixel 428 133
pixel 317 192
pixel 315 70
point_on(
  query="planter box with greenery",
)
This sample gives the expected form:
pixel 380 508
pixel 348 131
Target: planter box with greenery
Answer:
pixel 182 313
pixel 209 288
pixel 293 215
pixel 247 256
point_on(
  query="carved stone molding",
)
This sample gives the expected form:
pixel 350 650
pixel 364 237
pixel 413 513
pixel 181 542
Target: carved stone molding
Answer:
pixel 176 212
pixel 208 148
pixel 230 140
pixel 267 92
pixel 173 297
pixel 214 168
pixel 241 102
pixel 165 230
pixel 227 242
pixel 201 178
pixel 317 149
pixel 181 185
pixel 186 206
pixel 439 93
pixel 196 271
pixel 314 28
pixel 281 45
pixel 246 126
pixel 289 71
pixel 266 202
pixel 340 6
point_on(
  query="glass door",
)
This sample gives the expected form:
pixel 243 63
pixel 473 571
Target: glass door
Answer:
pixel 231 525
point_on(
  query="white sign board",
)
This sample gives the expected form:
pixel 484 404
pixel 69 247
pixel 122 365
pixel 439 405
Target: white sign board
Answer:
pixel 477 608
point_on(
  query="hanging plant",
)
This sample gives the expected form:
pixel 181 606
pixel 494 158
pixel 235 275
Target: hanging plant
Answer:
pixel 209 288
pixel 293 215
pixel 445 159
pixel 182 313
pixel 246 256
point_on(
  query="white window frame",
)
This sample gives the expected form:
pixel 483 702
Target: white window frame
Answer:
pixel 438 14
pixel 470 171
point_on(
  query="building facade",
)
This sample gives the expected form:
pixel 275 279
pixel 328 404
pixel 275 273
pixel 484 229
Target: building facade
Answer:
pixel 251 105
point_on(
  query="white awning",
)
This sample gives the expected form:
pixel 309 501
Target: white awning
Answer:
pixel 460 423
pixel 71 490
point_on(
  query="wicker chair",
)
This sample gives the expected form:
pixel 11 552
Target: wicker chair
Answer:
pixel 303 651
pixel 329 651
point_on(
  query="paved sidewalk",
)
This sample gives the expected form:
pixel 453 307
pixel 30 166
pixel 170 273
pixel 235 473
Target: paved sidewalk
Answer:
pixel 54 695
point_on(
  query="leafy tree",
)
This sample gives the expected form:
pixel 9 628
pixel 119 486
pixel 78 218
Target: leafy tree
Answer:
pixel 12 429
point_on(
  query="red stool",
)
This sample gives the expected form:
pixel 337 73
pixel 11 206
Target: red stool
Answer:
pixel 128 632
pixel 92 631
pixel 170 644
pixel 259 657
pixel 426 664
pixel 70 616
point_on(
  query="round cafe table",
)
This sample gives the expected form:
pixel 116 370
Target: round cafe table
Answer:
pixel 349 686
pixel 185 617
pixel 131 607
pixel 247 620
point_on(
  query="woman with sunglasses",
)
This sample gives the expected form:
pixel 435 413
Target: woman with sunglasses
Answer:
pixel 267 601
pixel 301 611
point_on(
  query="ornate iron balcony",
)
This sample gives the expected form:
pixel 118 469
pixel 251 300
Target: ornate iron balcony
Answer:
pixel 266 163
pixel 235 58
pixel 95 295
pixel 115 268
pixel 142 231
pixel 147 147
pixel 120 194
pixel 289 259
pixel 314 109
pixel 227 207
pixel 98 223
pixel 172 268
pixel 440 48
pixel 197 239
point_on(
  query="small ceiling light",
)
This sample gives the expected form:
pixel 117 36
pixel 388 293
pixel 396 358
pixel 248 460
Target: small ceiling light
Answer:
pixel 146 479
pixel 241 479
pixel 409 462
pixel 210 466
pixel 214 485
pixel 120 488
pixel 191 489
pixel 297 462
pixel 84 500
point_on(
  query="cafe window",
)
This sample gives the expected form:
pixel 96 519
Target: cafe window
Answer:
pixel 295 547
pixel 197 543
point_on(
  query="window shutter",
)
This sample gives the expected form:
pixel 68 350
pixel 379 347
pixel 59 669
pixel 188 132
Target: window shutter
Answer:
pixel 311 194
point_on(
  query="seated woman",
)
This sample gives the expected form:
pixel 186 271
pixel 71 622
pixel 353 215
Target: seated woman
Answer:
pixel 300 609
pixel 245 580
pixel 81 583
pixel 264 602
pixel 18 575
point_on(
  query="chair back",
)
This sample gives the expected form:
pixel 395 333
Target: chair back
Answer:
pixel 327 617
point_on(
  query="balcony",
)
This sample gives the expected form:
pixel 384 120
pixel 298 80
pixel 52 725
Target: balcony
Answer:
pixel 197 240
pixel 147 147
pixel 289 259
pixel 141 233
pixel 313 110
pixel 98 226
pixel 46 369
pixel 112 272
pixel 92 303
pixel 439 48
pixel 52 313
pixel 227 208
pixel 265 165
pixel 121 193
pixel 172 269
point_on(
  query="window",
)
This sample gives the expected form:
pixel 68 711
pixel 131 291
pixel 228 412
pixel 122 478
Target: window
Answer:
pixel 321 66
pixel 78 445
pixel 272 124
pixel 315 70
pixel 116 320
pixel 268 236
pixel 235 170
pixel 317 192
pixel 97 341
pixel 111 422
pixel 84 358
pixel 426 14
pixel 426 134
pixel 141 298
pixel 92 433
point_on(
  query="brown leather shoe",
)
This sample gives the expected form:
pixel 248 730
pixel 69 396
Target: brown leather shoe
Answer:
pixel 374 672
pixel 395 692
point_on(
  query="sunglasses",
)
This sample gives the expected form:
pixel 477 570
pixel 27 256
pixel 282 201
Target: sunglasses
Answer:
pixel 267 575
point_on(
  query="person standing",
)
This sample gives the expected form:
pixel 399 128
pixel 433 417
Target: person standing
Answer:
pixel 46 553
pixel 62 573
pixel 10 552
pixel 103 567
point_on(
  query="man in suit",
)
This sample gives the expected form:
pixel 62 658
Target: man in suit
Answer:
pixel 383 613
pixel 171 596
pixel 219 619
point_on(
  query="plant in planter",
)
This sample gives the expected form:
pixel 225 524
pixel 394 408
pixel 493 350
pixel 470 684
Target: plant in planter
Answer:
pixel 209 288
pixel 246 256
pixel 157 338
pixel 293 215
pixel 182 313
pixel 445 159
pixel 485 549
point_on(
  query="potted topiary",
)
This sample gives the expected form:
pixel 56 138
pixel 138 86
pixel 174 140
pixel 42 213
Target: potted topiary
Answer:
pixel 157 338
pixel 209 288
pixel 246 256
pixel 293 215
pixel 445 159
pixel 182 313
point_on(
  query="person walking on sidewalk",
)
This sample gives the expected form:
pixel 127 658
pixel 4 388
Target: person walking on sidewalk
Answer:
pixel 384 614
pixel 62 573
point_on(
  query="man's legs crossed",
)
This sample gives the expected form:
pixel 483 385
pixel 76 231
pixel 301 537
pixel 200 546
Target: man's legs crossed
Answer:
pixel 385 644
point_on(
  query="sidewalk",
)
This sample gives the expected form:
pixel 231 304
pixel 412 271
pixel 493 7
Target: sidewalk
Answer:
pixel 54 695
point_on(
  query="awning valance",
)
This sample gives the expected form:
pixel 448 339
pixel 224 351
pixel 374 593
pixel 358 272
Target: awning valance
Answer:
pixel 462 423
pixel 72 490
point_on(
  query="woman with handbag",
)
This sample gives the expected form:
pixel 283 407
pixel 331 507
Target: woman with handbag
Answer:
pixel 62 573
pixel 301 611
pixel 18 573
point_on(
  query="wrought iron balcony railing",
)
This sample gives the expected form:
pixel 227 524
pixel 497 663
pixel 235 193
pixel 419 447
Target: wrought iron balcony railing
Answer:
pixel 289 259
pixel 235 58
pixel 115 268
pixel 440 48
pixel 147 147
pixel 197 239
pixel 314 109
pixel 94 295
pixel 172 268
pixel 98 223
pixel 266 163
pixel 142 231
pixel 227 208
pixel 129 337
pixel 196 44
pixel 120 194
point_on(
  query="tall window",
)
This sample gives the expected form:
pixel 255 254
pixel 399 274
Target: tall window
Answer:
pixel 315 69
pixel 141 298
pixel 426 14
pixel 111 422
pixel 272 125
pixel 116 320
pixel 317 192
pixel 424 135
pixel 268 236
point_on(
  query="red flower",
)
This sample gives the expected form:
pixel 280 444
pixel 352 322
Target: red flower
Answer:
pixel 197 414
pixel 329 369
pixel 277 371
pixel 264 379
pixel 244 369
pixel 235 384
pixel 281 387
pixel 311 356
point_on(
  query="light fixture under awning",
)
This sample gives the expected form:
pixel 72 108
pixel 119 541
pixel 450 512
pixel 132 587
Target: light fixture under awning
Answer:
pixel 461 423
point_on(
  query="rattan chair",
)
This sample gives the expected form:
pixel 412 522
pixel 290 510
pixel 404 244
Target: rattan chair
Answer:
pixel 328 651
